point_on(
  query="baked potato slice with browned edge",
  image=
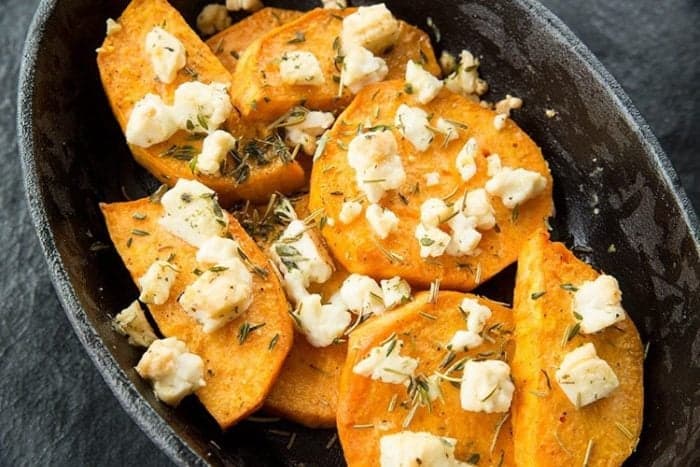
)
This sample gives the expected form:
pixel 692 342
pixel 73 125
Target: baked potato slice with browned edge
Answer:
pixel 548 429
pixel 369 409
pixel 229 44
pixel 127 76
pixel 265 97
pixel 238 375
pixel 356 247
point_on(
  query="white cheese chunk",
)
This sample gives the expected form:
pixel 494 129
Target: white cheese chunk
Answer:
pixel 382 221
pixel 385 363
pixel 132 322
pixel 486 386
pixel 300 67
pixel 515 186
pixel 432 241
pixel 434 212
pixel 584 377
pixel 599 304
pixel 449 130
pixel 334 4
pixel 493 164
pixel 113 27
pixel 362 295
pixel 150 122
pixel 395 291
pixel 349 211
pixel 448 63
pixel 418 449
pixel 422 82
pixel 465 340
pixel 174 372
pixel 413 124
pixel 361 67
pixel 306 132
pixel 465 238
pixel 246 5
pixel 217 250
pixel 477 314
pixel 465 80
pixel 499 121
pixel 156 283
pixel 201 108
pixel 372 27
pixel 466 159
pixel 321 324
pixel 212 19
pixel 478 205
pixel 215 147
pixel 432 179
pixel 166 52
pixel 192 213
pixel 377 164
pixel 504 106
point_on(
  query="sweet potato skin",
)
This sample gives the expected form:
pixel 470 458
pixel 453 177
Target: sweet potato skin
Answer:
pixel 127 76
pixel 356 247
pixel 230 43
pixel 266 98
pixel 238 376
pixel 364 401
pixel 548 430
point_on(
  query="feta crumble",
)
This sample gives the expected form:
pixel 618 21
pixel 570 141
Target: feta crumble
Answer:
pixel 493 164
pixel 215 147
pixel 395 291
pixel 515 186
pixel 377 164
pixel 150 122
pixel 166 52
pixel 465 80
pixel 217 250
pixel 416 449
pixel 334 4
pixel 413 124
pixel 448 63
pixel 321 324
pixel 362 295
pixel 132 322
pixel 361 68
pixel 113 27
pixel 432 179
pixel 449 130
pixel 599 304
pixel 584 377
pixel 465 238
pixel 349 211
pixel 306 132
pixel 504 106
pixel 201 108
pixel 246 5
pixel 466 159
pixel 432 241
pixel 212 19
pixel 382 221
pixel 422 82
pixel 299 67
pixel 155 284
pixel 372 27
pixel 434 212
pixel 385 363
pixel 464 340
pixel 478 206
pixel 486 386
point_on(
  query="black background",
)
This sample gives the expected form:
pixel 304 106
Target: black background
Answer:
pixel 54 407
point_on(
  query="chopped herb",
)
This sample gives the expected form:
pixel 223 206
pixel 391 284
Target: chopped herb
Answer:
pixel 218 269
pixel 332 441
pixel 245 329
pixel 546 376
pixel 197 272
pixel 392 403
pixel 139 216
pixel 192 74
pixel 578 316
pixel 97 246
pixel 403 198
pixel 128 242
pixel 537 295
pixel 181 153
pixel 425 241
pixel 427 315
pixel 474 458
pixel 291 440
pixel 568 287
pixel 587 457
pixel 392 256
pixel 363 426
pixel 570 333
pixel 408 88
pixel 434 291
pixel 448 359
pixel 646 349
pixel 298 38
pixel 234 54
pixel 624 430
pixel 515 213
pixel 499 425
pixel 491 393
pixel 140 233
pixel 436 32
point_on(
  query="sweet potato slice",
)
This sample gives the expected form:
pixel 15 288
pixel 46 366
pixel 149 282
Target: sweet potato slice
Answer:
pixel 265 97
pixel 127 76
pixel 357 248
pixel 230 43
pixel 548 430
pixel 364 407
pixel 238 375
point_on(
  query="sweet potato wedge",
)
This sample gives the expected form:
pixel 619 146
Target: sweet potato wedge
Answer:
pixel 230 43
pixel 355 246
pixel 127 76
pixel 364 413
pixel 548 429
pixel 238 375
pixel 265 97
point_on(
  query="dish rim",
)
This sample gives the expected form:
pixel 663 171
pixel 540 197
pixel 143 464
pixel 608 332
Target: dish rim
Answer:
pixel 141 412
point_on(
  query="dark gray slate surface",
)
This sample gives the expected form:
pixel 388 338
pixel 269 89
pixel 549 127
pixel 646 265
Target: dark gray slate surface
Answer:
pixel 54 407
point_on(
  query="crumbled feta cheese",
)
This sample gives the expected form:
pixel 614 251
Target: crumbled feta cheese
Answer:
pixel 413 124
pixel 156 283
pixel 477 314
pixel 217 250
pixel 299 67
pixel 493 164
pixel 499 121
pixel 212 19
pixel 384 363
pixel 422 82
pixel 378 167
pixel 448 129
pixel 113 27
pixel 584 377
pixel 349 211
pixel 504 106
pixel 550 113
pixel 192 212
pixel 515 186
pixel 416 449
pixel 465 80
pixel 174 372
pixel 301 258
pixel 306 132
pixel 395 291
pixel 433 384
pixel 166 52
pixel 362 295
pixel 151 122
pixel 478 205
pixel 372 27
pixel 486 386
pixel 382 221
pixel 465 238
pixel 361 67
pixel 466 159
pixel 334 4
pixel 434 212
pixel 465 340
pixel 247 5
pixel 201 108
pixel 321 324
pixel 132 322
pixel 448 63
pixel 215 147
pixel 432 178
pixel 599 304
pixel 432 241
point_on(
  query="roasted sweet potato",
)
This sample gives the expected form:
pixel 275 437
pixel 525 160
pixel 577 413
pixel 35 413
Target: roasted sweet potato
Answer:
pixel 230 43
pixel 548 429
pixel 365 408
pixel 238 375
pixel 355 246
pixel 127 76
pixel 265 98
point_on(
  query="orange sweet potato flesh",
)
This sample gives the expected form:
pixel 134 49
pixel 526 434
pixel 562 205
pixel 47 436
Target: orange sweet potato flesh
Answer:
pixel 127 76
pixel 230 43
pixel 355 245
pixel 265 97
pixel 364 401
pixel 238 376
pixel 548 430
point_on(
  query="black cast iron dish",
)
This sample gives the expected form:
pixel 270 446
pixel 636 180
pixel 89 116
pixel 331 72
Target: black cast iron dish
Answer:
pixel 618 201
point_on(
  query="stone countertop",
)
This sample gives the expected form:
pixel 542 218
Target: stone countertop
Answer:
pixel 55 408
